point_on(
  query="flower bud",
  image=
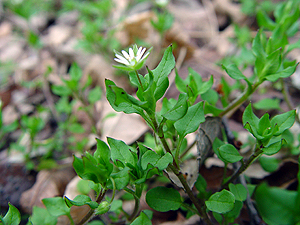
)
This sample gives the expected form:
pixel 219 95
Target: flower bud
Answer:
pixel 102 208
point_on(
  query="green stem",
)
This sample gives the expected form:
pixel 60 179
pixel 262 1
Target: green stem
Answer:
pixel 241 99
pixel 190 208
pixel 89 215
pixel 138 77
pixel 114 190
pixel 136 204
pixel 243 167
pixel 198 203
pixel 70 218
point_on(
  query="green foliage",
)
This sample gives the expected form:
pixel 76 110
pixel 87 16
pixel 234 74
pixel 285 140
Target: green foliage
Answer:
pixel 12 217
pixel 221 202
pixel 163 199
pixel 277 206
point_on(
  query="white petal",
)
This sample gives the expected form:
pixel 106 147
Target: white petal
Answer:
pixel 125 54
pixel 122 60
pixel 145 56
pixel 131 53
pixel 139 52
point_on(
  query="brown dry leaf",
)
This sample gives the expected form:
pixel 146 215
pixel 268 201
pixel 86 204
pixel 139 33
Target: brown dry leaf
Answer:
pixel 207 133
pixel 121 126
pixel 48 184
pixel 190 169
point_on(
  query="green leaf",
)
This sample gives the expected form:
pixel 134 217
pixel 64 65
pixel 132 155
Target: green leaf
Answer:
pixel 277 206
pixel 229 153
pixel 142 219
pixel 164 161
pixel 269 164
pixel 95 95
pixel 120 152
pixel 264 20
pixel 163 199
pixel 102 154
pixel 75 72
pixel 258 46
pixel 250 118
pixel 80 200
pixel 221 202
pixel 76 128
pixel 179 109
pixel 150 157
pixel 201 185
pixel 273 148
pixel 282 74
pixel 121 178
pixel 42 217
pixel 56 206
pixel 13 216
pixel 267 104
pixel 234 72
pixel 191 120
pixel 205 86
pixel 121 101
pixel 284 121
pixel 161 73
pixel 61 90
pixel 239 191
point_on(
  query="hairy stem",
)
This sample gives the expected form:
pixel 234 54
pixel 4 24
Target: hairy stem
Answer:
pixel 241 99
pixel 136 204
pixel 138 77
pixel 244 166
pixel 198 203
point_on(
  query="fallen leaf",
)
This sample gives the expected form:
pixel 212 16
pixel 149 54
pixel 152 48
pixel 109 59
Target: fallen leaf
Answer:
pixel 48 184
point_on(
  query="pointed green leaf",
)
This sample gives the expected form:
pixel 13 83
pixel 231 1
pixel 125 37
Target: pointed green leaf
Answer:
pixel 80 200
pixel 284 121
pixel 250 118
pixel 162 71
pixel 191 121
pixel 287 72
pixel 179 109
pixel 234 72
pixel 229 153
pixel 13 216
pixel 120 152
pixel 75 72
pixel 272 148
pixel 121 178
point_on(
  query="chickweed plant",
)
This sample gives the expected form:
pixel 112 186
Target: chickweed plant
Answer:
pixel 116 167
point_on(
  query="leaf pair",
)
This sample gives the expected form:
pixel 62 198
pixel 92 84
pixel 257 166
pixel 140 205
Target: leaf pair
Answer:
pixel 268 132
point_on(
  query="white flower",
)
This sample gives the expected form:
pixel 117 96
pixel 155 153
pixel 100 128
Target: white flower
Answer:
pixel 134 59
pixel 162 3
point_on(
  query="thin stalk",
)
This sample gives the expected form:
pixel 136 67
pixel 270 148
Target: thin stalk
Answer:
pixel 136 205
pixel 244 166
pixel 89 215
pixel 241 99
pixel 187 150
pixel 138 77
pixel 71 219
pixel 187 206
